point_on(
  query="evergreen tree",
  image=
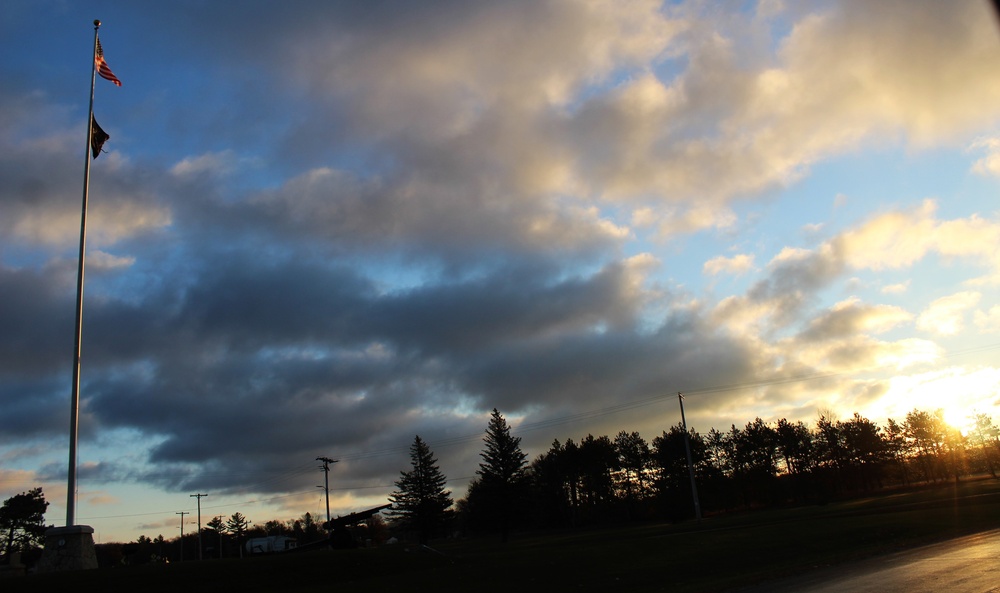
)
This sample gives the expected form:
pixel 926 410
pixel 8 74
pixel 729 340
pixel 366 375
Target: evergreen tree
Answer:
pixel 634 463
pixel 306 530
pixel 866 450
pixel 501 474
pixel 217 524
pixel 22 521
pixel 673 476
pixel 160 544
pixel 795 446
pixel 420 501
pixel 237 525
pixel 551 487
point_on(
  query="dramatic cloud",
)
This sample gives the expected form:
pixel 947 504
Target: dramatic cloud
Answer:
pixel 327 229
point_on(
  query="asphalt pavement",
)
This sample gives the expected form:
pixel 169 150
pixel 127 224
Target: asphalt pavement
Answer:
pixel 968 564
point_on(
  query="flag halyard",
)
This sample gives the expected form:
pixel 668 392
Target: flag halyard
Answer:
pixel 102 67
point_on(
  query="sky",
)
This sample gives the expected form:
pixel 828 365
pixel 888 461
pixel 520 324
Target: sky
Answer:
pixel 324 228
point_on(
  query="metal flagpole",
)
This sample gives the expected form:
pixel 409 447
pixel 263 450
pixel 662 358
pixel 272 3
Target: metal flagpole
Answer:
pixel 74 417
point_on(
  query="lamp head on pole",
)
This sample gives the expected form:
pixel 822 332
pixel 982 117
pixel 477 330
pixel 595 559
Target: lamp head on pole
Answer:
pixel 97 23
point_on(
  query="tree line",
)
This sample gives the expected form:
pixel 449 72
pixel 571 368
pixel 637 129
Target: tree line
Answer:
pixel 603 479
pixel 226 537
pixel 22 525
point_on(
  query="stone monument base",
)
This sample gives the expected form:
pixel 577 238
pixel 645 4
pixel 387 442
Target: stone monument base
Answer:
pixel 68 548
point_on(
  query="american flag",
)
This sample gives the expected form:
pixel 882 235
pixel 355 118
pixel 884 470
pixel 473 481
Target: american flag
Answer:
pixel 102 66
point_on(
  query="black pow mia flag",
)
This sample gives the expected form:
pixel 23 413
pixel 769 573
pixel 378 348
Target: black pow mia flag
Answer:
pixel 97 137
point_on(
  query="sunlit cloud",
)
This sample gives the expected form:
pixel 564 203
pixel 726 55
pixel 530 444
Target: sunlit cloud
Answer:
pixel 99 499
pixel 736 265
pixel 900 238
pixel 891 240
pixel 217 163
pixel 946 315
pixel 898 288
pixel 988 321
pixel 908 353
pixel 15 481
pixel 108 261
pixel 155 526
pixel 696 218
pixel 988 165
pixel 851 317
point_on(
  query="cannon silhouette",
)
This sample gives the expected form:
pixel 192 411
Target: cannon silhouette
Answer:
pixel 340 535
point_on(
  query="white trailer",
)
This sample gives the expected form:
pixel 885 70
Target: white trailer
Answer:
pixel 270 544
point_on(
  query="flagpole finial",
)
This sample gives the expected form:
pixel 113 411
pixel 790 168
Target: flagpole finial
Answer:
pixel 97 23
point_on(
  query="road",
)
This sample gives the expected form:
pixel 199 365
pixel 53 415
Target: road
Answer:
pixel 965 565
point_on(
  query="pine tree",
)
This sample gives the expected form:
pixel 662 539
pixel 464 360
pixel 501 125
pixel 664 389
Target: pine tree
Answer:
pixel 501 474
pixel 22 521
pixel 236 525
pixel 420 501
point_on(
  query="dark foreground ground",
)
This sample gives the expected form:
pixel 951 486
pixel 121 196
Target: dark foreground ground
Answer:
pixel 717 554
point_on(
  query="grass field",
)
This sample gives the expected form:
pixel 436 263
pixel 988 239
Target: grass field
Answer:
pixel 716 554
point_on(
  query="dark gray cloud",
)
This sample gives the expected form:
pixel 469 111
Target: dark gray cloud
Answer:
pixel 252 351
pixel 323 228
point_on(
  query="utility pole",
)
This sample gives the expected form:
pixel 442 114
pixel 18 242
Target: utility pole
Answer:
pixel 219 517
pixel 198 496
pixel 687 449
pixel 182 513
pixel 239 536
pixel 326 481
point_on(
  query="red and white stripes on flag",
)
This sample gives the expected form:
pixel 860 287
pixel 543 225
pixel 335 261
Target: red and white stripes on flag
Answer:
pixel 102 66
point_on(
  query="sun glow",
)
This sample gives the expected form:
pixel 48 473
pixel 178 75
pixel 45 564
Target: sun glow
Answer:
pixel 960 418
pixel 957 392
